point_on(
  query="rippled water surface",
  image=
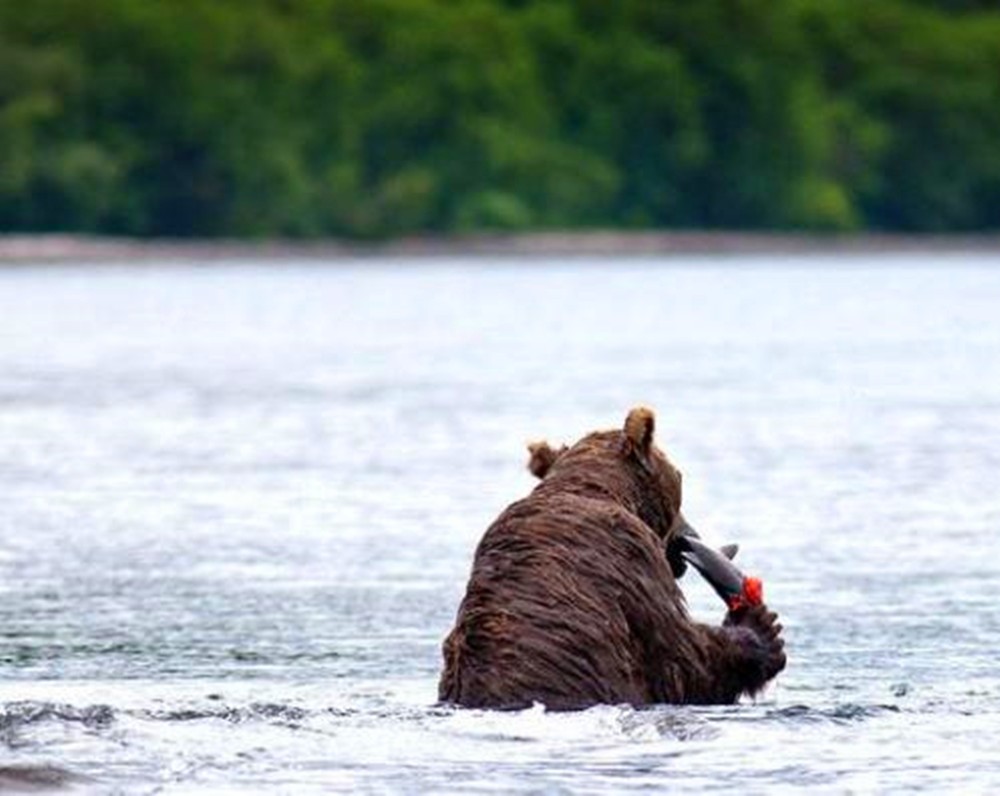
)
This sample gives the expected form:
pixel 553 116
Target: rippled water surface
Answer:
pixel 240 504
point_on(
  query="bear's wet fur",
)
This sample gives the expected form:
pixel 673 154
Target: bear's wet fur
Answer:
pixel 573 602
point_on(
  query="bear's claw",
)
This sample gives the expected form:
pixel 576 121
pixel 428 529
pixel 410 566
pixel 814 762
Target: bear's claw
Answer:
pixel 769 650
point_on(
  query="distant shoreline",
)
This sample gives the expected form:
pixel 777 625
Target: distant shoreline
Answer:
pixel 65 248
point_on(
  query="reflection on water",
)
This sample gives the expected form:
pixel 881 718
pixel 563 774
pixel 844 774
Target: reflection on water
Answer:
pixel 240 505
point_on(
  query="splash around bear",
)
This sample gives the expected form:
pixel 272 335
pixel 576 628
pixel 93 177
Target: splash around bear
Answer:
pixel 573 599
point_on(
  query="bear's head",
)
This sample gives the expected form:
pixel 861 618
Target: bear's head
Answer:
pixel 627 464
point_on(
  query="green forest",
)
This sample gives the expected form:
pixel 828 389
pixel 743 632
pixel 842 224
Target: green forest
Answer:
pixel 378 118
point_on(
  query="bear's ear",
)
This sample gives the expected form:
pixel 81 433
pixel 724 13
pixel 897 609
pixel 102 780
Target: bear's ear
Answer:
pixel 639 427
pixel 543 456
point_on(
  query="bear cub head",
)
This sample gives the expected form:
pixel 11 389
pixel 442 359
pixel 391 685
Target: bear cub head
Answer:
pixel 626 466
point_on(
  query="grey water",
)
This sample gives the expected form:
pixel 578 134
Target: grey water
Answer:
pixel 239 506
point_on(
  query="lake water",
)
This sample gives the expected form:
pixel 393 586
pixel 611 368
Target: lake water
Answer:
pixel 240 504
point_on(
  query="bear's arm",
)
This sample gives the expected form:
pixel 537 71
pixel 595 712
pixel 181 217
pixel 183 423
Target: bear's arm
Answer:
pixel 738 658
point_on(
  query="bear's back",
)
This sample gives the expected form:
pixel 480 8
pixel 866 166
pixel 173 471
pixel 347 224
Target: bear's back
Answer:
pixel 562 607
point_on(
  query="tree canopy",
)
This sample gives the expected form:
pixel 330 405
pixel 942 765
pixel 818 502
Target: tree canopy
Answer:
pixel 374 118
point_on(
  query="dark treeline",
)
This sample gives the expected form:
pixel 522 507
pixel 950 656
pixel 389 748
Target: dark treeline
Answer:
pixel 382 117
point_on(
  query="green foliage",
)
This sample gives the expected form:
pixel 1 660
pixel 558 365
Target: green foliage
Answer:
pixel 374 118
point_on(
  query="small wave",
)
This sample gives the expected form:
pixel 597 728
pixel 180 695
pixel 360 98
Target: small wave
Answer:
pixel 665 722
pixel 25 778
pixel 14 715
pixel 282 657
pixel 601 723
pixel 838 714
pixel 268 711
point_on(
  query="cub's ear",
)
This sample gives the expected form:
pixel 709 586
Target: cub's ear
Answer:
pixel 543 456
pixel 639 427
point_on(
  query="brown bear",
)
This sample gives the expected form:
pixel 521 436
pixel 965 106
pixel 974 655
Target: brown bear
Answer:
pixel 573 599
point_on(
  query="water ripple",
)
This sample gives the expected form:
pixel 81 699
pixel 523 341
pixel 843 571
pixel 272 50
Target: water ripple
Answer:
pixel 240 507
